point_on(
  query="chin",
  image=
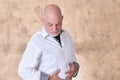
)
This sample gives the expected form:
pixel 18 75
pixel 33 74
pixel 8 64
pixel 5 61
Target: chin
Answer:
pixel 53 35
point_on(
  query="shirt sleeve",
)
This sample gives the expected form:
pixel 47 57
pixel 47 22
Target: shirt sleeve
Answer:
pixel 73 57
pixel 28 67
pixel 72 49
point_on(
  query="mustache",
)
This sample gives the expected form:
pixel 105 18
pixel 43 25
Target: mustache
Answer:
pixel 55 31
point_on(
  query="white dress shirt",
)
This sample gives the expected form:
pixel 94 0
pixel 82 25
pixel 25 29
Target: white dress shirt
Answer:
pixel 44 54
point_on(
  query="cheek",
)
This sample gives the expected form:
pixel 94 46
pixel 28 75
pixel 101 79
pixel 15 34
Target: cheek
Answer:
pixel 50 29
pixel 59 27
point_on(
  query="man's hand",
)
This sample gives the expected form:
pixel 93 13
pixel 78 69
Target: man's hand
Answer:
pixel 72 71
pixel 55 75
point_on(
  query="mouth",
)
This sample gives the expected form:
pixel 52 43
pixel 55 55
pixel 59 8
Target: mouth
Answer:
pixel 54 34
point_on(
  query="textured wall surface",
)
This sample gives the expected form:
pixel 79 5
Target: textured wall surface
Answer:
pixel 93 24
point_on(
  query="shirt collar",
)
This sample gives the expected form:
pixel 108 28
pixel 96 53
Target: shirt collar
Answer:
pixel 45 34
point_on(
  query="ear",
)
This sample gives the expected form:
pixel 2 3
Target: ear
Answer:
pixel 42 19
pixel 62 17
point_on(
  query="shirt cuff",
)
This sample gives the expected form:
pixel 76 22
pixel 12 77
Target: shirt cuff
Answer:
pixel 78 66
pixel 44 76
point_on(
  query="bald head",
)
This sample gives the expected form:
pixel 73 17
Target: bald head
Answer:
pixel 52 19
pixel 52 10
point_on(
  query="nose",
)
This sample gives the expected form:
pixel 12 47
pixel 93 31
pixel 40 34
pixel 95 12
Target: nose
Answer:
pixel 54 27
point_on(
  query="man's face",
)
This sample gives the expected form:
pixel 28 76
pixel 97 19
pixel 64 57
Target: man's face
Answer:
pixel 53 25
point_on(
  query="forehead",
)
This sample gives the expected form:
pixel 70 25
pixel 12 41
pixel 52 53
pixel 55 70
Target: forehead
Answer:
pixel 53 19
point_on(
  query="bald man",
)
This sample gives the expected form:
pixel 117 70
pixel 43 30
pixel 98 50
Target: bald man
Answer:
pixel 50 53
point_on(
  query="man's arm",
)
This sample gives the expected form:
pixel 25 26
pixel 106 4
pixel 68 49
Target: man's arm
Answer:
pixel 74 69
pixel 29 63
pixel 77 66
pixel 28 67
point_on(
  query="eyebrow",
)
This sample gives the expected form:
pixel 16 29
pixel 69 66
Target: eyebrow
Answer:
pixel 57 23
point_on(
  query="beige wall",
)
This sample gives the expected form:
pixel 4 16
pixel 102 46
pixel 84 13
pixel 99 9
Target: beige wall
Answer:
pixel 93 24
